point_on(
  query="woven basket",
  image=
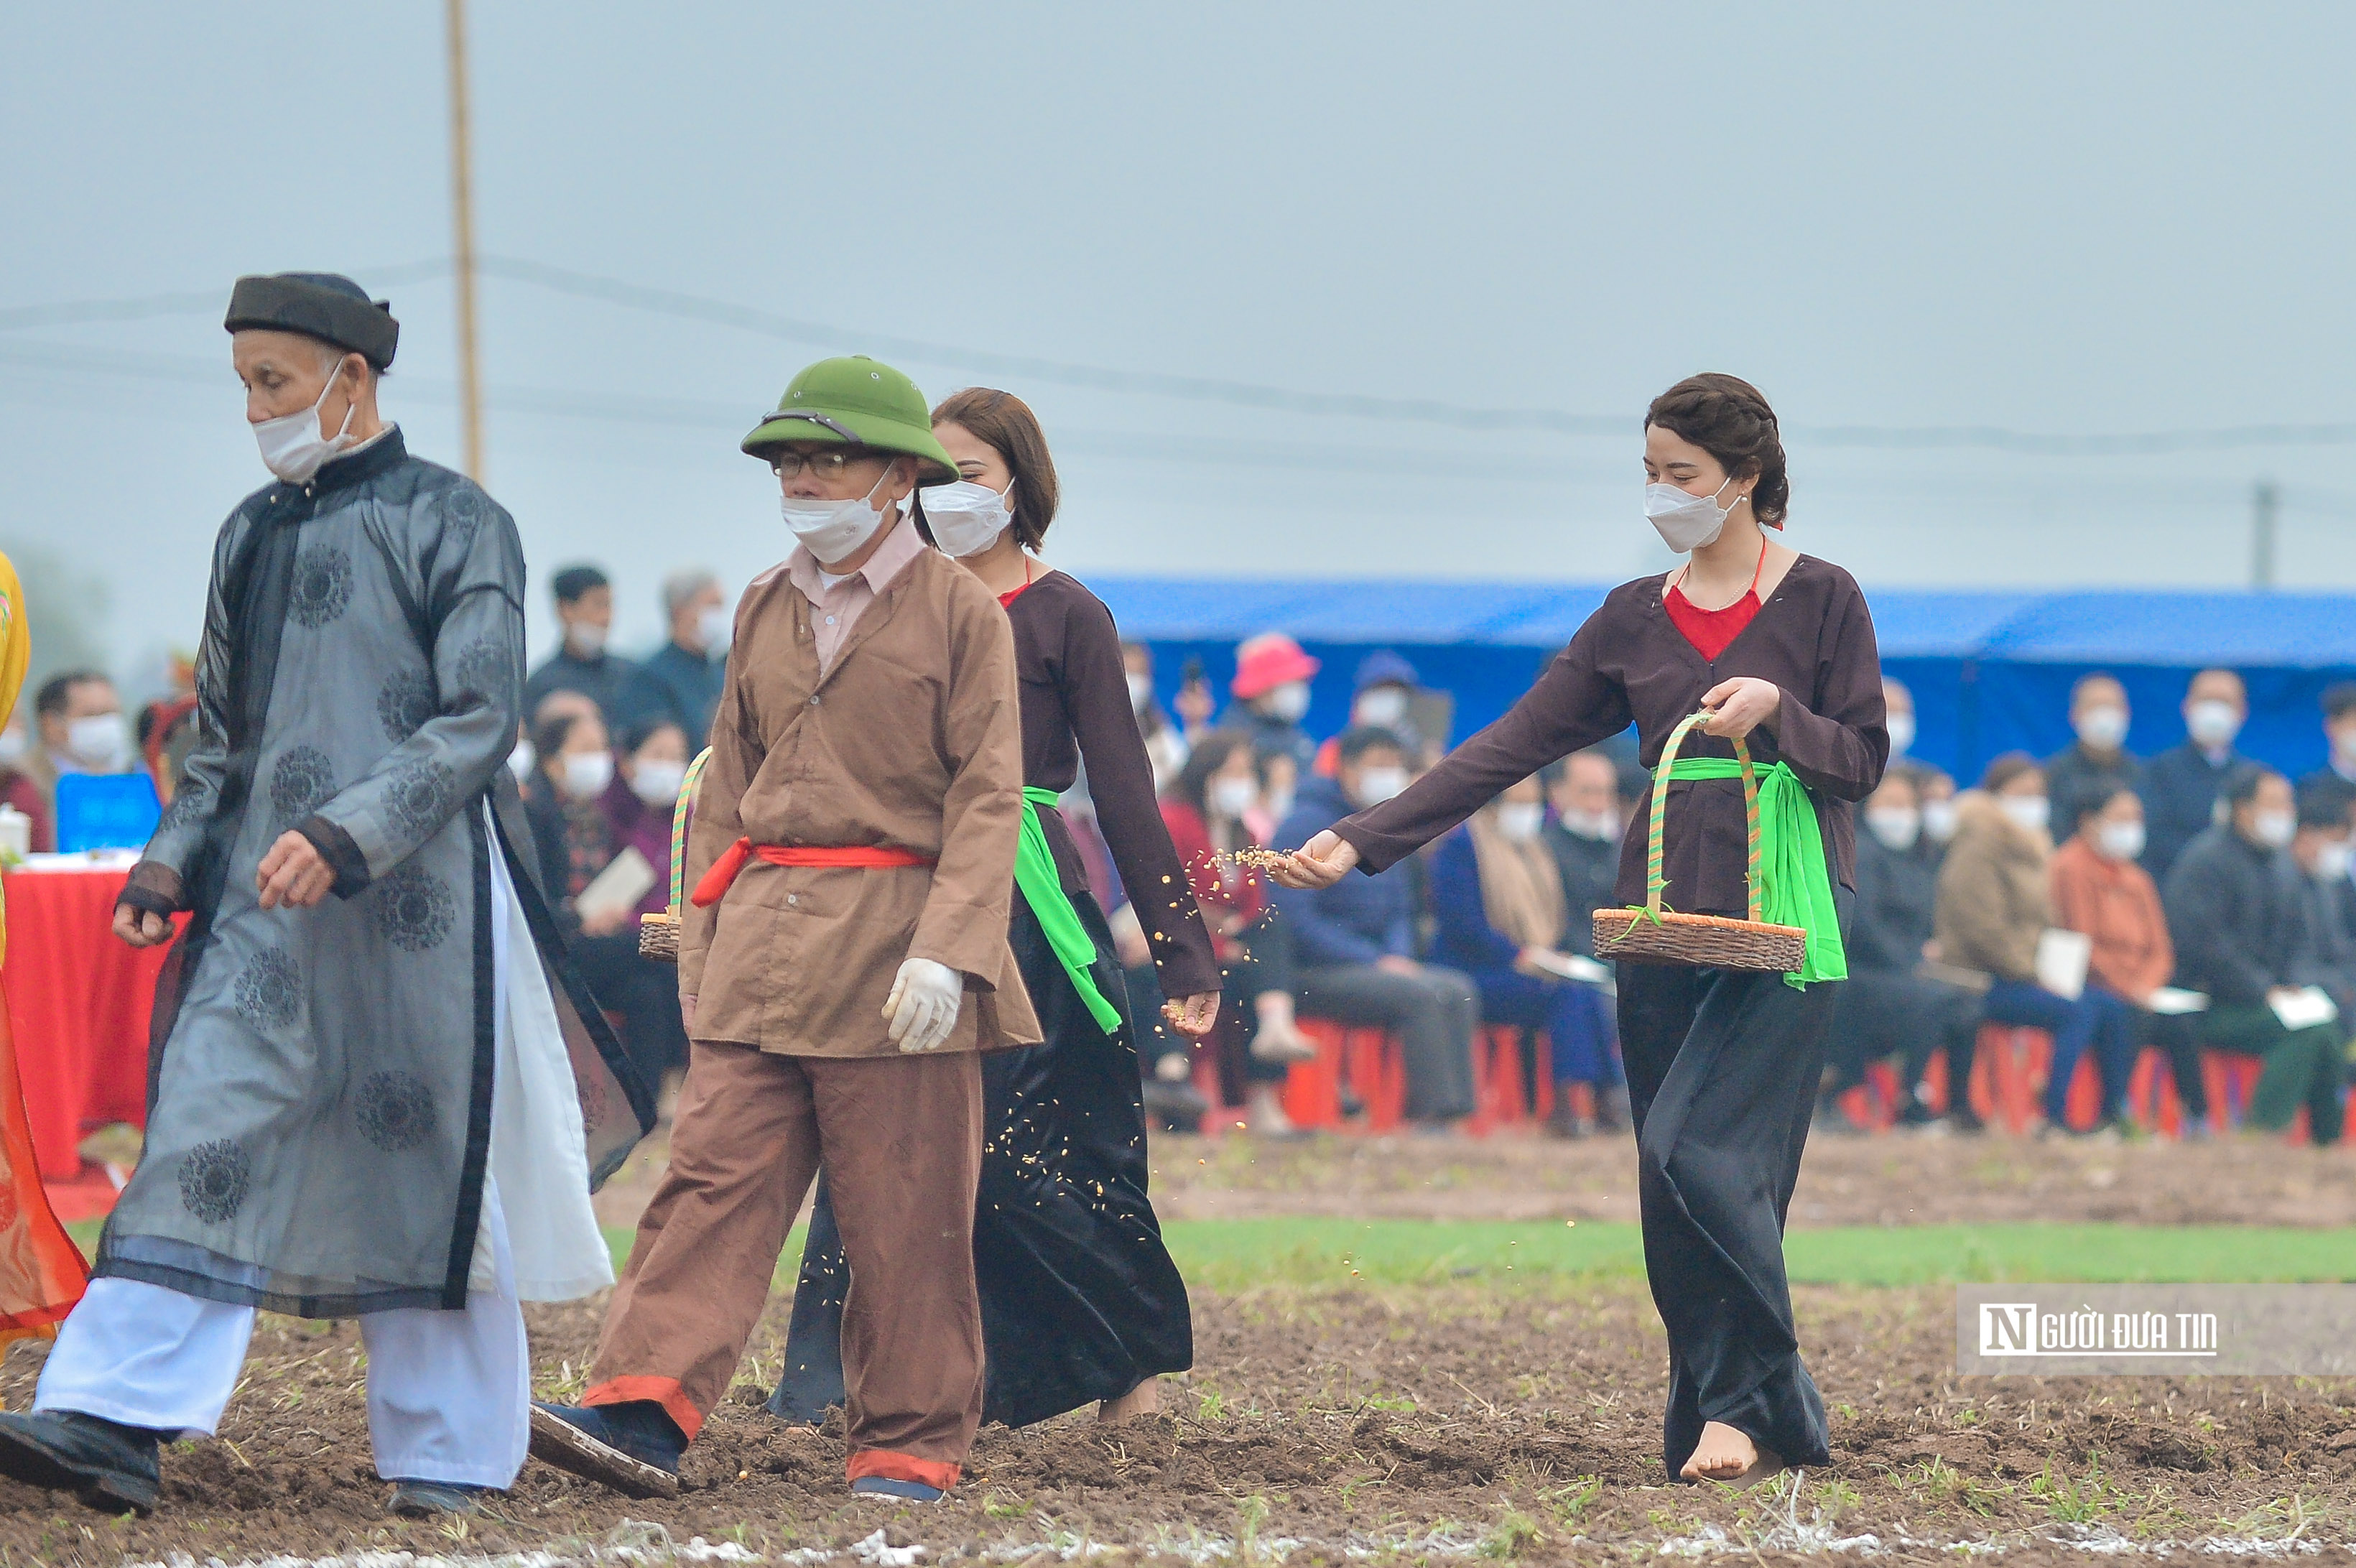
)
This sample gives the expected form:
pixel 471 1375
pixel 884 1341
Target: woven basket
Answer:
pixel 1657 935
pixel 659 938
pixel 659 934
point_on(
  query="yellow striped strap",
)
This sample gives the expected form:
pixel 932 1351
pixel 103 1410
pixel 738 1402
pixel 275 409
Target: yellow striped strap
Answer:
pixel 679 816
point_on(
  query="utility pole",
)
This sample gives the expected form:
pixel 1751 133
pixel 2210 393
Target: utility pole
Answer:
pixel 462 204
pixel 2263 501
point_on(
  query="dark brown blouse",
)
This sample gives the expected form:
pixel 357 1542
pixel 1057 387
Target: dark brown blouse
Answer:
pixel 1075 704
pixel 1631 664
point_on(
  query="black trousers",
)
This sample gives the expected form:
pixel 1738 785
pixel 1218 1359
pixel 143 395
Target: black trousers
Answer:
pixel 2179 1036
pixel 644 992
pixel 1722 1071
pixel 1879 1014
pixel 1433 1011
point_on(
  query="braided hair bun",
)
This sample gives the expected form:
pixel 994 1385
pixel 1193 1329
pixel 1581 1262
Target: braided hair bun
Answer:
pixel 1727 417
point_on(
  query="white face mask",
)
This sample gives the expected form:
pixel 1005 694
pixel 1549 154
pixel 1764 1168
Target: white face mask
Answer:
pixel 656 782
pixel 2344 748
pixel 834 530
pixel 2120 841
pixel 1279 805
pixel 1232 796
pixel 1900 726
pixel 521 761
pixel 1601 826
pixel 2332 860
pixel 1897 827
pixel 716 629
pixel 2029 812
pixel 1141 694
pixel 1939 821
pixel 2275 829
pixel 1377 785
pixel 13 745
pixel 1290 701
pixel 1686 522
pixel 2212 723
pixel 585 638
pixel 98 741
pixel 1384 707
pixel 967 517
pixel 1518 822
pixel 586 774
pixel 292 445
pixel 2104 728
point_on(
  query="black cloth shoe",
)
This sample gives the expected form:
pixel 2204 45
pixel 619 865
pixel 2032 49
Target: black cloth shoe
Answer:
pixel 106 1463
pixel 906 1491
pixel 435 1499
pixel 633 1448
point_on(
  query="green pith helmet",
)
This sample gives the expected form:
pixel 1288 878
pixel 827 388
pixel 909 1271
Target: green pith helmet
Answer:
pixel 858 401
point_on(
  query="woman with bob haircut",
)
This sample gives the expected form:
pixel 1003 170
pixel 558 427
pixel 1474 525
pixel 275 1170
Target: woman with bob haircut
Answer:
pixel 1080 1298
pixel 1776 648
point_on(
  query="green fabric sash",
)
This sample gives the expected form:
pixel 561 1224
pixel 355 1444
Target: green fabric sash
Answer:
pixel 1795 886
pixel 1042 887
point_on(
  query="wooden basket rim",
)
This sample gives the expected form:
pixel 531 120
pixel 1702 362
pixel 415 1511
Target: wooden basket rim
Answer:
pixel 1718 922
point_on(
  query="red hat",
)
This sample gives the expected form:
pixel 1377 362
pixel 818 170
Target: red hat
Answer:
pixel 1266 661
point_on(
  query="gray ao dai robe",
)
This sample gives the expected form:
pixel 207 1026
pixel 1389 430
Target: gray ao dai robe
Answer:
pixel 321 1080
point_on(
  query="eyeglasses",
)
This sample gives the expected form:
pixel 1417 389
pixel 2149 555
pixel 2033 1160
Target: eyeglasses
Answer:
pixel 832 464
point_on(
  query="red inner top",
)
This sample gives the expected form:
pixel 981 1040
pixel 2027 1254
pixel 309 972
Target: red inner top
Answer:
pixel 1711 630
pixel 1006 600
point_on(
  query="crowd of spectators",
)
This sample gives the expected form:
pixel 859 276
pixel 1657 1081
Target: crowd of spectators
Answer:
pixel 1490 929
pixel 2196 901
pixel 604 750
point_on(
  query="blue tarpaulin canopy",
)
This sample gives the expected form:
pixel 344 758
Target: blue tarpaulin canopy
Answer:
pixel 1991 670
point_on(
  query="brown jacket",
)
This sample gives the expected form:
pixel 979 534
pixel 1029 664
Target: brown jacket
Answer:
pixel 1991 905
pixel 2114 902
pixel 912 739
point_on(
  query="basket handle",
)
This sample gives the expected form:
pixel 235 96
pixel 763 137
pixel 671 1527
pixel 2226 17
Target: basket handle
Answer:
pixel 1654 882
pixel 679 816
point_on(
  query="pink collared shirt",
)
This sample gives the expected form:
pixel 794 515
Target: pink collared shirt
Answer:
pixel 835 610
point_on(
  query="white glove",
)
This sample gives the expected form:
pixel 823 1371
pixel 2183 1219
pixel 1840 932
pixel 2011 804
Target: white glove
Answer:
pixel 923 1006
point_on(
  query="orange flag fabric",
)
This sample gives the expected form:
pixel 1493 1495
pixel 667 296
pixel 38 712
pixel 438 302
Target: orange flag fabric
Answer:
pixel 42 1274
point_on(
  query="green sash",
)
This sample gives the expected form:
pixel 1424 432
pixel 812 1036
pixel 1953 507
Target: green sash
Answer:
pixel 1042 887
pixel 1795 886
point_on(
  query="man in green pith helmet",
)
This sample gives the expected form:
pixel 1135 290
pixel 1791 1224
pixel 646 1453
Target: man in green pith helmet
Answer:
pixel 843 961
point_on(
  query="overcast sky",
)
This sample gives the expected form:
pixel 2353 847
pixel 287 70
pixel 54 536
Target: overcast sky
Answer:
pixel 2052 221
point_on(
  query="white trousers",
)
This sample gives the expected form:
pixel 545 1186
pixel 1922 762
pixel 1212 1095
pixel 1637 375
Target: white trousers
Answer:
pixel 449 1393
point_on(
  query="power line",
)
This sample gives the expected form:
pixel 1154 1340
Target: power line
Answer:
pixel 724 421
pixel 1015 368
pixel 1019 367
pixel 141 308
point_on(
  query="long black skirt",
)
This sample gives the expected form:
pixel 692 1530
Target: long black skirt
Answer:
pixel 1080 1300
pixel 1722 1070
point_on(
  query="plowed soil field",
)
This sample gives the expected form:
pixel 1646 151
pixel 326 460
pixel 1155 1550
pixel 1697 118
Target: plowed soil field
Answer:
pixel 1506 1421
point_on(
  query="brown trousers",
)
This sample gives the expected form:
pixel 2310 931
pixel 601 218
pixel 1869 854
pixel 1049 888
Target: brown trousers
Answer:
pixel 901 1139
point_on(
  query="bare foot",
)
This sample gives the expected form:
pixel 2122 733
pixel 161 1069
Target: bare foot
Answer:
pixel 1143 1400
pixel 1727 1454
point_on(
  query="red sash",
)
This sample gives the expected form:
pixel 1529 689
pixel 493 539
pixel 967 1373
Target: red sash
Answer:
pixel 864 857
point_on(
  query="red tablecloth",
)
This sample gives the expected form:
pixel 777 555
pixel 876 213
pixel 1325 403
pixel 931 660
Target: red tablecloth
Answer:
pixel 80 1001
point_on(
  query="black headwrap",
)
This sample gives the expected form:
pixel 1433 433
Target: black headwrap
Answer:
pixel 325 306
